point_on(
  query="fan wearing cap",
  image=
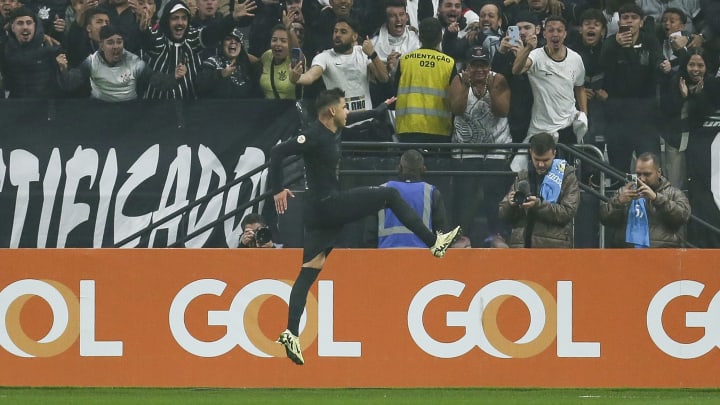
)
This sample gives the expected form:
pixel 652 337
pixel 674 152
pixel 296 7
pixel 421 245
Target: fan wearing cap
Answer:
pixel 174 46
pixel 229 74
pixel 480 102
pixel 557 78
pixel 112 71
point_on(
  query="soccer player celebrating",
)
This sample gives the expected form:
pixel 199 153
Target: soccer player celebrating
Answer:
pixel 327 209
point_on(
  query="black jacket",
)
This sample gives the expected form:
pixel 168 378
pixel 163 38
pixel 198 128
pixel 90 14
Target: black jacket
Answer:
pixel 29 70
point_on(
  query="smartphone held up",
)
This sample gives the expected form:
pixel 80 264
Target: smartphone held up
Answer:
pixel 514 34
pixel 295 56
pixel 632 179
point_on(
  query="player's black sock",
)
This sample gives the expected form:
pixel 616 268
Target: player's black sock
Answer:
pixel 298 297
pixel 409 217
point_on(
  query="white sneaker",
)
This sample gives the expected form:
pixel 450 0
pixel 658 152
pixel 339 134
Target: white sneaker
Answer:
pixel 292 347
pixel 443 242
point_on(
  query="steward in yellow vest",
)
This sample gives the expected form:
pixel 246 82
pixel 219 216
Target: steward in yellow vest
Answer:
pixel 422 109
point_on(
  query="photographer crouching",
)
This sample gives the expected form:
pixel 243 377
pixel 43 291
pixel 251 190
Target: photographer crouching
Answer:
pixel 543 201
pixel 256 233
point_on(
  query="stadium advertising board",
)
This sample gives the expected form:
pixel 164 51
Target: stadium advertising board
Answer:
pixel 479 317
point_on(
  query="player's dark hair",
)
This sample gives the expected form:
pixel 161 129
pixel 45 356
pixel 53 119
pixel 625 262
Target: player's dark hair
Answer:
pixel 327 98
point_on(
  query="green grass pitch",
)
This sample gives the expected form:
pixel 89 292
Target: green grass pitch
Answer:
pixel 182 396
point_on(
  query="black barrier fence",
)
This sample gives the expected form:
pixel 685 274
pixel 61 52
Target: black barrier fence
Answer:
pixel 80 173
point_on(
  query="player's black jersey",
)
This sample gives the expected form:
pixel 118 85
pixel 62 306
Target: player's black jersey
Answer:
pixel 320 148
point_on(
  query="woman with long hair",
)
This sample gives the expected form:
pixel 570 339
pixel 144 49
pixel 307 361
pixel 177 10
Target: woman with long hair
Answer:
pixel 277 62
pixel 693 96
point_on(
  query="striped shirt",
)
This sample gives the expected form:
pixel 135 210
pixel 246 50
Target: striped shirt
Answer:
pixel 165 55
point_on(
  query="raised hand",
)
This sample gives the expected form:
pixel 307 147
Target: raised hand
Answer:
pixel 59 24
pixel 367 46
pixel 180 71
pixel 244 9
pixel 683 88
pixel 62 62
pixel 228 70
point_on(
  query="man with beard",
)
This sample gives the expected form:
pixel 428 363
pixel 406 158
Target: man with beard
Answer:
pixel 27 63
pixel 320 24
pixel 649 212
pixel 489 30
pixel 456 23
pixel 557 78
pixel 522 99
pixel 174 47
pixel 113 72
pixel 346 66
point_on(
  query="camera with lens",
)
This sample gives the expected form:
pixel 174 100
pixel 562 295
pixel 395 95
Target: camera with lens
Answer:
pixel 520 197
pixel 523 193
pixel 262 236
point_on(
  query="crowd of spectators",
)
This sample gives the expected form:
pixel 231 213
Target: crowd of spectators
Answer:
pixel 629 76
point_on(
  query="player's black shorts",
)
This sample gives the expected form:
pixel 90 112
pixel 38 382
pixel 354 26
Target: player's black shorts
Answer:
pixel 324 218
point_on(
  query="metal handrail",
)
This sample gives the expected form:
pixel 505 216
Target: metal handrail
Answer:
pixel 199 201
pixel 391 147
pixel 617 175
pixel 232 213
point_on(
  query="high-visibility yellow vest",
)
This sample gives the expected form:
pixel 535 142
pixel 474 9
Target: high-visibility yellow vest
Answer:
pixel 423 92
